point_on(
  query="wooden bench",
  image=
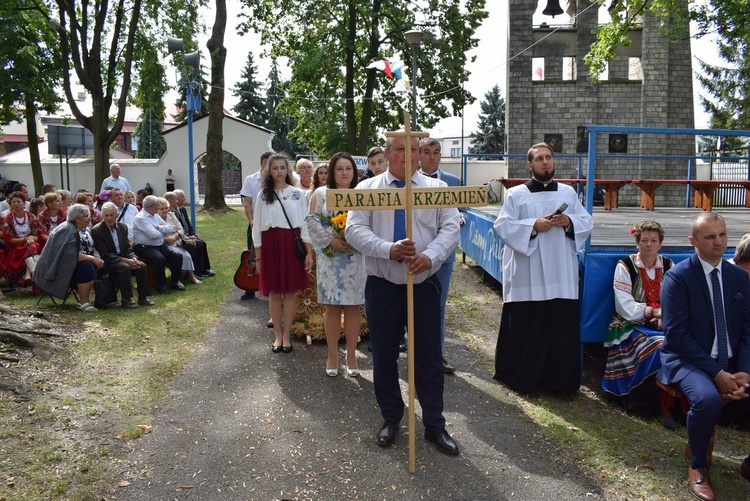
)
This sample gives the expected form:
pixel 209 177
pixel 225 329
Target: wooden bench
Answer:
pixel 675 392
pixel 703 189
pixel 611 187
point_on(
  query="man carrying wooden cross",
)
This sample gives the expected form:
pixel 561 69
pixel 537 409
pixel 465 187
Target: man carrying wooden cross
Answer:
pixel 380 235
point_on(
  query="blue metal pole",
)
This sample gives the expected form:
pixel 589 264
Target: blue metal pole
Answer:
pixel 687 188
pixel 590 168
pixel 189 98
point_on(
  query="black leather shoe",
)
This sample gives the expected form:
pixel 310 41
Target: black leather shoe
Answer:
pixel 442 440
pixel 162 290
pixel 448 368
pixel 209 273
pixel 247 295
pixel 177 286
pixel 145 301
pixel 387 434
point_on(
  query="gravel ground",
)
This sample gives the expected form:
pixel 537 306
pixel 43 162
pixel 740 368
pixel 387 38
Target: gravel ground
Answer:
pixel 244 423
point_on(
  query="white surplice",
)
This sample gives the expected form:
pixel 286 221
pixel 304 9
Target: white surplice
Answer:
pixel 540 266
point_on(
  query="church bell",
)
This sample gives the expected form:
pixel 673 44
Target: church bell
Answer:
pixel 553 8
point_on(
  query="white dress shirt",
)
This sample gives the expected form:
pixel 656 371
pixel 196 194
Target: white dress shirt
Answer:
pixel 150 229
pixel 130 212
pixel 436 232
pixel 267 215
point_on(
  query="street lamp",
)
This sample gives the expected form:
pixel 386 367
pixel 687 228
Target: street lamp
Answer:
pixel 414 37
pixel 189 79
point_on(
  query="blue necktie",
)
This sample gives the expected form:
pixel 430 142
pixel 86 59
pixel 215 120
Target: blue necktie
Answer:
pixel 399 218
pixel 721 326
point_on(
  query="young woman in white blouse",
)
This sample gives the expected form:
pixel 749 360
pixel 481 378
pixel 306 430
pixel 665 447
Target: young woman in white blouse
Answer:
pixel 282 274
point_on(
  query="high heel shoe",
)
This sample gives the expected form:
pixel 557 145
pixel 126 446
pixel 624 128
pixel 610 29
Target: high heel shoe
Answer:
pixel 332 372
pixel 352 372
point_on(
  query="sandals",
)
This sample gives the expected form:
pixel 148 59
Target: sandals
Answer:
pixel 88 308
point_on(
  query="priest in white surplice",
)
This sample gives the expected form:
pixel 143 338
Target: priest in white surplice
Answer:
pixel 538 344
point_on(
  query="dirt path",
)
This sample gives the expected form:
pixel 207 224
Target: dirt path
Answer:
pixel 243 423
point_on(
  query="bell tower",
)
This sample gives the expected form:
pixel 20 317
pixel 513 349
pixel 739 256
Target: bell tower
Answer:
pixel 551 98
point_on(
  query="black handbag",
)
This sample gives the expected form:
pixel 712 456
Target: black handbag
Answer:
pixel 104 292
pixel 300 249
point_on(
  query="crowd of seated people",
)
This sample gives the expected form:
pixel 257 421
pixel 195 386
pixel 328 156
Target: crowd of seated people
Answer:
pixel 102 239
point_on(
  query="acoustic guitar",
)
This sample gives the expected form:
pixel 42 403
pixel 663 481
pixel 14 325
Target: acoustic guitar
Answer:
pixel 246 278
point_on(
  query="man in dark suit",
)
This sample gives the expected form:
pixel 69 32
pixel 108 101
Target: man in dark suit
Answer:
pixel 111 240
pixel 196 247
pixel 706 353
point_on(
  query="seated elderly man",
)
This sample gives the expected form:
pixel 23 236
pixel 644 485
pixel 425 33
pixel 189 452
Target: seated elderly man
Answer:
pixel 198 250
pixel 111 240
pixel 148 237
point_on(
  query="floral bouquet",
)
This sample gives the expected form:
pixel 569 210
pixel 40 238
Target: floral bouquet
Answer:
pixel 335 224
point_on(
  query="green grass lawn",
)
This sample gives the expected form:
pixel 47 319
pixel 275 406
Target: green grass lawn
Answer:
pixel 116 366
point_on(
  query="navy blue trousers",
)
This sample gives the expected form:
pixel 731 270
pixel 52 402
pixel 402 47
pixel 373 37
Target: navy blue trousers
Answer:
pixel 385 304
pixel 705 410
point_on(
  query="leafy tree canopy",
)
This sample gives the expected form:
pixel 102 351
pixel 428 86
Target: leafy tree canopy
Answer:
pixel 31 68
pixel 337 102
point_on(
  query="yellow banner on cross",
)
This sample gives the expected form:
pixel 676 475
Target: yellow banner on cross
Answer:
pixel 395 198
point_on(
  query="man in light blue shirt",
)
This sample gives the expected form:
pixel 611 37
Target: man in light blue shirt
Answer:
pixel 115 180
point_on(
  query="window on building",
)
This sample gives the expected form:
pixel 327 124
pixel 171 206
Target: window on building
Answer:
pixel 455 152
pixel 537 68
pixel 569 69
pixel 635 71
pixel 605 73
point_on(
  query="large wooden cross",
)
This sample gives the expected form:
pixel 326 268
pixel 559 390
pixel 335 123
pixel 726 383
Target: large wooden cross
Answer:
pixel 407 198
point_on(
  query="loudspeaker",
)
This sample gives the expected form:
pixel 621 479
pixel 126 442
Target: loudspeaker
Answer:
pixel 618 143
pixel 175 45
pixel 193 60
pixel 554 141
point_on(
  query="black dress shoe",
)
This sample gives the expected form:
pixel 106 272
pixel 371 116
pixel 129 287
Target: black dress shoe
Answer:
pixel 247 295
pixel 162 290
pixel 287 349
pixel 145 302
pixel 448 368
pixel 442 440
pixel 269 324
pixel 387 434
pixel 209 273
pixel 276 349
pixel 177 286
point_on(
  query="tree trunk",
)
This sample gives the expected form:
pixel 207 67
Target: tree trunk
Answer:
pixel 215 135
pixel 31 134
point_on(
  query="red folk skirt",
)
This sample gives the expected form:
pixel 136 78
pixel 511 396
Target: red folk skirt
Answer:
pixel 15 255
pixel 281 272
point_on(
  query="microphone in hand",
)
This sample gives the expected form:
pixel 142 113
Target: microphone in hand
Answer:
pixel 559 210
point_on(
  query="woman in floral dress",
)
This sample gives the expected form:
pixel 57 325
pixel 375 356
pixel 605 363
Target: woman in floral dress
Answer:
pixel 340 273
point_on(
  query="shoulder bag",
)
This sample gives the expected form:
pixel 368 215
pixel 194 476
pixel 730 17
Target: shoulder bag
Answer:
pixel 299 246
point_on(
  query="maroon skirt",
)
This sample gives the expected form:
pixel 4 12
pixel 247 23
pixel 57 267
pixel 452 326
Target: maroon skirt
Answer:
pixel 281 272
